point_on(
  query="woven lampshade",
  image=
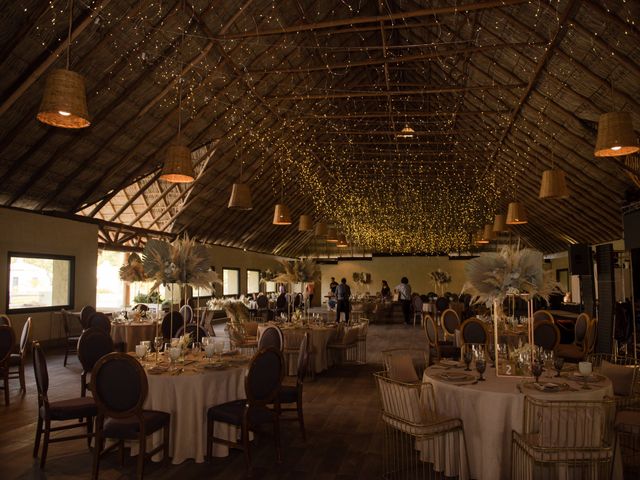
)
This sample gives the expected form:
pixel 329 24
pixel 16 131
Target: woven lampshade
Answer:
pixel 488 233
pixel 321 229
pixel 554 184
pixel 305 224
pixel 281 215
pixel 332 235
pixel 178 167
pixel 342 241
pixel 516 214
pixel 240 198
pixel 499 224
pixel 615 135
pixel 64 101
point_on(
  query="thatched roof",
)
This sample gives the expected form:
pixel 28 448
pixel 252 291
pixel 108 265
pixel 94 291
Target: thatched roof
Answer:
pixel 307 98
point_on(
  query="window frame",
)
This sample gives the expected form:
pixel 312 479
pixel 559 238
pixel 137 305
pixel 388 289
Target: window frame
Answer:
pixel 46 256
pixel 236 269
pixel 259 272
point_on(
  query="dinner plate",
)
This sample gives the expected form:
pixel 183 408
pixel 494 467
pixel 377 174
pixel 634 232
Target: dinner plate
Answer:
pixel 456 377
pixel 593 378
pixel 157 370
pixel 450 363
pixel 547 387
pixel 216 366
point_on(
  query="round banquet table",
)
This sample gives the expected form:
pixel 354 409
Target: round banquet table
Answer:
pixel 319 338
pixel 132 333
pixel 490 410
pixel 187 397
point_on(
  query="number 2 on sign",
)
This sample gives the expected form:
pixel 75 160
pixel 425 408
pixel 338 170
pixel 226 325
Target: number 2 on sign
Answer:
pixel 508 370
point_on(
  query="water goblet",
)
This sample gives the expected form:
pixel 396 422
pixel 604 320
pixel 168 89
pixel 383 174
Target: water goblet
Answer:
pixel 585 369
pixel 174 354
pixel 481 366
pixel 467 357
pixel 558 363
pixel 147 345
pixel 175 342
pixel 209 350
pixel 196 348
pixel 536 369
pixel 141 351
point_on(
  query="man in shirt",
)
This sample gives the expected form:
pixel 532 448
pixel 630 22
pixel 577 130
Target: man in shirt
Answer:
pixel 333 285
pixel 343 293
pixel 404 296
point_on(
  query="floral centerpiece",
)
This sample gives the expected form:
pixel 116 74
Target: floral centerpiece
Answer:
pixel 440 279
pixel 133 271
pixel 298 271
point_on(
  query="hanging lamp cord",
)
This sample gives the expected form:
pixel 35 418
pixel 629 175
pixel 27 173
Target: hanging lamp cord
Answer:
pixel 69 33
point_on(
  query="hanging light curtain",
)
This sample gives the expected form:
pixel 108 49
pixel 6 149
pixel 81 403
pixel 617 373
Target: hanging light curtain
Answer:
pixel 499 224
pixel 305 224
pixel 64 100
pixel 615 135
pixel 240 198
pixel 321 229
pixel 516 214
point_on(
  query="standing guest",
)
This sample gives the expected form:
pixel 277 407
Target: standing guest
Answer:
pixel 333 285
pixel 385 292
pixel 343 293
pixel 309 291
pixel 404 295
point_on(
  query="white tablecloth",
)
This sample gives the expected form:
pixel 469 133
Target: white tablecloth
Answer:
pixel 187 397
pixel 132 333
pixel 490 410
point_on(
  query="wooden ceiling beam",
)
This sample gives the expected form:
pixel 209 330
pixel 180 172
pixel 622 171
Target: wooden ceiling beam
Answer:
pixel 414 114
pixel 350 22
pixel 37 71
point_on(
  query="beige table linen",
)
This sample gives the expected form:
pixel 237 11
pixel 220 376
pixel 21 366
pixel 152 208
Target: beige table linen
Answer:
pixel 187 397
pixel 490 410
pixel 132 333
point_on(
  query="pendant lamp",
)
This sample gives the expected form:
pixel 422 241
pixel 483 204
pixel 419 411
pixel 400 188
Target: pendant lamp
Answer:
pixel 406 132
pixel 553 184
pixel 281 215
pixel 332 235
pixel 321 229
pixel 64 100
pixel 499 223
pixel 240 197
pixel 342 241
pixel 178 167
pixel 616 136
pixel 488 233
pixel 516 214
pixel 480 240
pixel 305 224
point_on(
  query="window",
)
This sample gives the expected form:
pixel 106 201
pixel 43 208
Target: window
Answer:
pixel 40 282
pixel 253 281
pixel 230 281
pixel 270 287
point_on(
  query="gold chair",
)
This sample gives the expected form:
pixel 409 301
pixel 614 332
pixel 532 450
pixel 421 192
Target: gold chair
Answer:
pixel 564 438
pixel 438 349
pixel 576 351
pixel 624 373
pixel 628 440
pixel 17 358
pixel 361 348
pixel 239 340
pixel 398 362
pixel 542 316
pixel 418 442
pixel 345 346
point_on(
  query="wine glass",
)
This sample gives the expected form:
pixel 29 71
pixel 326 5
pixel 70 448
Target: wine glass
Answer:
pixel 196 348
pixel 558 363
pixel 209 350
pixel 536 369
pixel 585 369
pixel 147 345
pixel 467 357
pixel 174 354
pixel 481 366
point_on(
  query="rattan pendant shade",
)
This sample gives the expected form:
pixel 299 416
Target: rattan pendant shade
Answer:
pixel 480 240
pixel 615 135
pixel 64 100
pixel 240 198
pixel 332 235
pixel 178 167
pixel 305 224
pixel 499 223
pixel 281 215
pixel 321 229
pixel 488 233
pixel 553 184
pixel 516 214
pixel 342 241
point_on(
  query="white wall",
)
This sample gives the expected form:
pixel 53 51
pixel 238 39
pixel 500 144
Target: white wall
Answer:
pixel 392 269
pixel 33 233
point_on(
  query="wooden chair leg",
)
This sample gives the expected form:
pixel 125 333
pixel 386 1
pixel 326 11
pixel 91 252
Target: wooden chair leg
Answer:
pixel 121 452
pixel 276 434
pixel 209 439
pixel 301 420
pixel 89 431
pixel 23 383
pixel 36 445
pixel 165 445
pixel 6 388
pixel 141 456
pixel 96 453
pixel 45 444
pixel 246 446
pixel 66 354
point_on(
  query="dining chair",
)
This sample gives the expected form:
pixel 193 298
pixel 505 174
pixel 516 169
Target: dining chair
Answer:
pixel 546 335
pixel 289 394
pixel 442 303
pixel 438 349
pixel 94 344
pixel 419 442
pixel 4 320
pixel 271 337
pixel 72 338
pixel 474 332
pixel 196 331
pixel 85 315
pixel 208 322
pixel 187 313
pixel 59 411
pixel 171 323
pixel 417 304
pixel 345 347
pixel 100 321
pixel 251 330
pixel 576 351
pixel 592 335
pixel 262 384
pixel 542 316
pixel 564 438
pixel 17 359
pixel 119 387
pixel 239 340
pixel 405 365
pixel 624 373
pixel 450 322
pixel 7 345
pixel 627 428
pixel 361 349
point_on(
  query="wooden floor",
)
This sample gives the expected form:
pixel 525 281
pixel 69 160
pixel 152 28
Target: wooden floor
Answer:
pixel 341 414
